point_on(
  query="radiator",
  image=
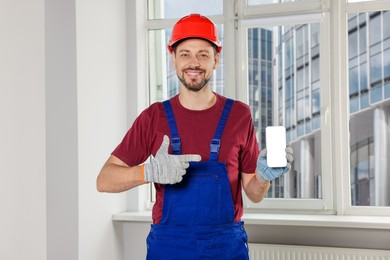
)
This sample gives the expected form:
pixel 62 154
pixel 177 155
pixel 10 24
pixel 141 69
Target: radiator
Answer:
pixel 289 252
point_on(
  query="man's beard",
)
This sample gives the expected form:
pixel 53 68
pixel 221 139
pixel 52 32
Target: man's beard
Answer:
pixel 193 86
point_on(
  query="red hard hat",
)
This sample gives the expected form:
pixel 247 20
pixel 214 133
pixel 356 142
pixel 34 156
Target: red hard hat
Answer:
pixel 194 26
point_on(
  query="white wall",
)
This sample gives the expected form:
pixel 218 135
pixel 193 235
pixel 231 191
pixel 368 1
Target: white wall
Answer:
pixel 62 110
pixel 102 120
pixel 22 130
pixel 61 131
pixel 134 234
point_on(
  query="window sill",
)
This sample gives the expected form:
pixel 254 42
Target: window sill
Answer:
pixel 361 222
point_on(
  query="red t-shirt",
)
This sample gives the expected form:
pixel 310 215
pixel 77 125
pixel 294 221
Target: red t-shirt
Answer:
pixel 239 148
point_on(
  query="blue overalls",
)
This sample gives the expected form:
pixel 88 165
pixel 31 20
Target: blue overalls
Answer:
pixel 198 213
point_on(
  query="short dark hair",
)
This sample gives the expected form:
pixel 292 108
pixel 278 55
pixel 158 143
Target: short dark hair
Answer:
pixel 174 46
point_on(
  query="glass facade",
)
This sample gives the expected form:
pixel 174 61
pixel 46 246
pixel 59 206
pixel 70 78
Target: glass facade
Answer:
pixel 260 73
pixel 295 88
pixel 369 77
pixel 284 89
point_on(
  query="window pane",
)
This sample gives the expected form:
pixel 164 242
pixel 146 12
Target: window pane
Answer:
pixel 369 102
pixel 375 28
pixel 361 153
pixel 289 81
pixel 160 9
pixel 163 82
pixel 386 69
pixel 386 26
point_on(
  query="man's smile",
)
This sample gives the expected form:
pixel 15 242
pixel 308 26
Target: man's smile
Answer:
pixel 193 73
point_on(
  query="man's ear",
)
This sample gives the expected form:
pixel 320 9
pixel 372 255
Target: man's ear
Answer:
pixel 174 59
pixel 216 59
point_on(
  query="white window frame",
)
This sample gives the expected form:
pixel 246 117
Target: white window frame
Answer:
pixel 334 99
pixel 345 190
pixel 324 205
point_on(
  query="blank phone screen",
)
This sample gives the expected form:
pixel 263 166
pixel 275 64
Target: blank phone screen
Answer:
pixel 276 146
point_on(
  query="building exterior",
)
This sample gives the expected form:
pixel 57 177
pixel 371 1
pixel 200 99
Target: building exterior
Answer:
pixel 369 94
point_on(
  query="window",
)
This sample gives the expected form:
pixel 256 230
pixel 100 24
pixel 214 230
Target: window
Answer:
pixel 279 61
pixel 369 142
pixel 287 85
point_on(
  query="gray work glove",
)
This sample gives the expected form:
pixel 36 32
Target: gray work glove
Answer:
pixel 166 168
pixel 265 173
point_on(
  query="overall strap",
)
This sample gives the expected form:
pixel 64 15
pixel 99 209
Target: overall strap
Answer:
pixel 216 141
pixel 175 139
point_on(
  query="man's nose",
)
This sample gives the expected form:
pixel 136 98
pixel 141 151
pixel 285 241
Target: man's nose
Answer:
pixel 194 62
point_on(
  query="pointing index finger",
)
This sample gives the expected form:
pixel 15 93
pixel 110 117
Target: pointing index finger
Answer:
pixel 189 158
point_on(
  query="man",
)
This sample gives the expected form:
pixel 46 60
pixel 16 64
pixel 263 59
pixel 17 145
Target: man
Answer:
pixel 204 151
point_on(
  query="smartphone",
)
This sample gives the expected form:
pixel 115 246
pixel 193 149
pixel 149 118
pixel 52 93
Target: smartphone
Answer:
pixel 275 140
